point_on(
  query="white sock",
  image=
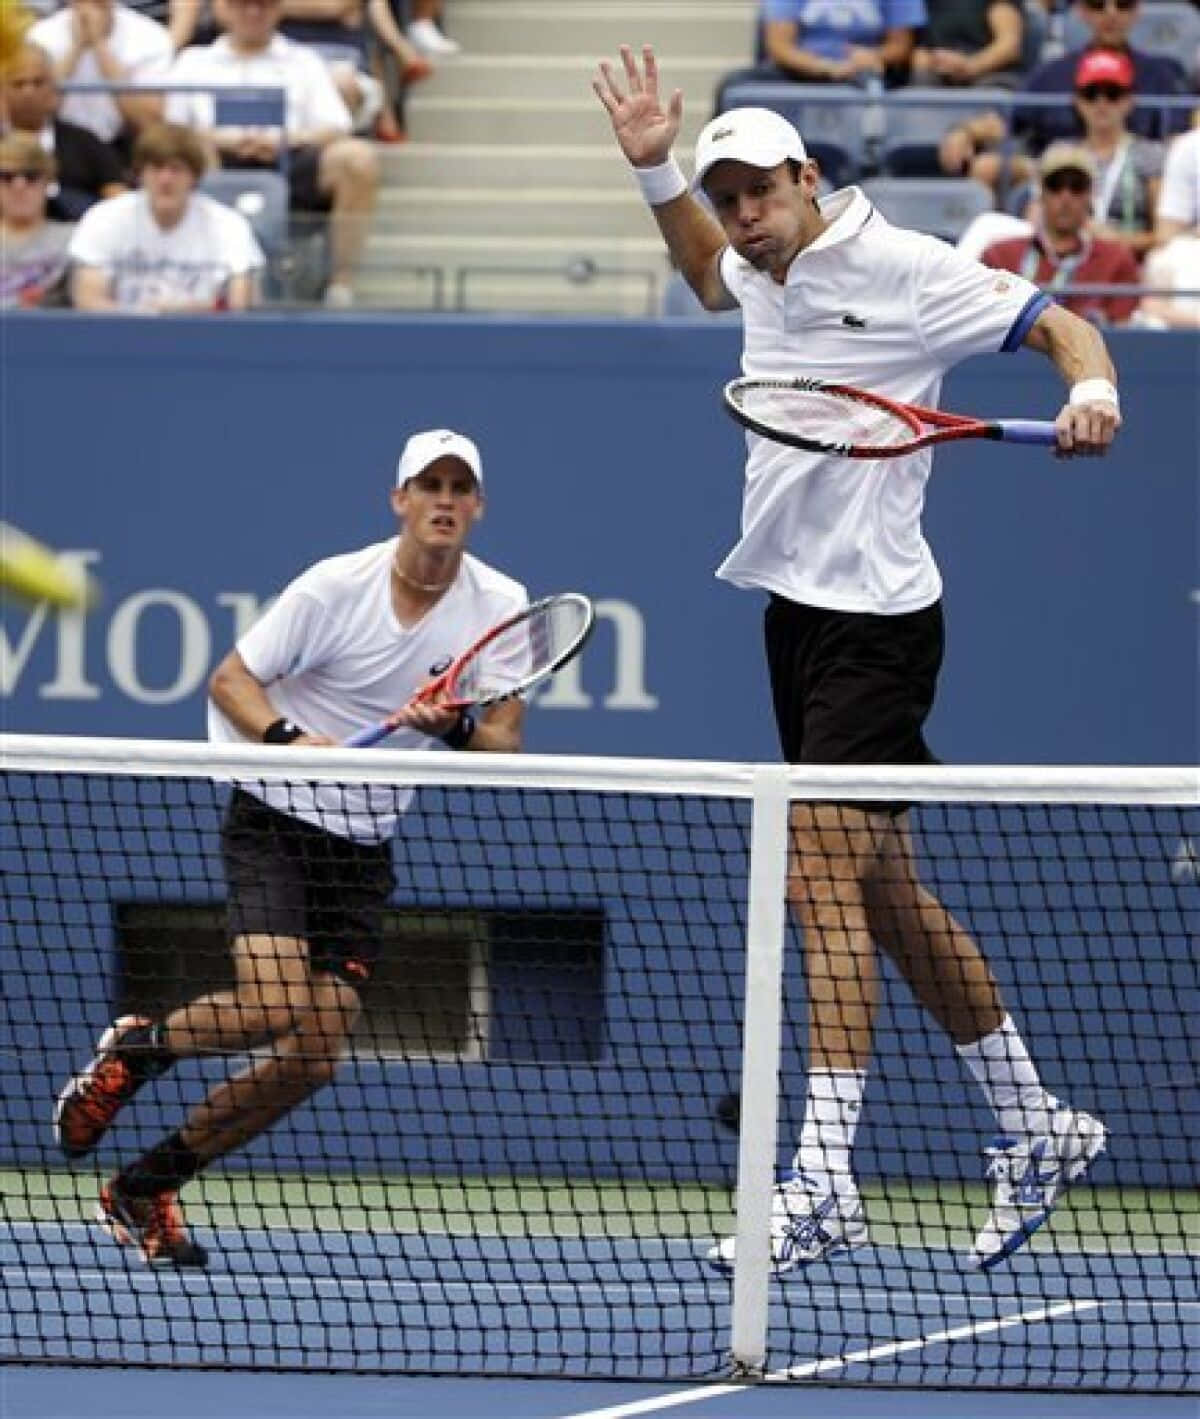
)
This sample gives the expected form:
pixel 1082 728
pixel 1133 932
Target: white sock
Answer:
pixel 830 1121
pixel 1009 1079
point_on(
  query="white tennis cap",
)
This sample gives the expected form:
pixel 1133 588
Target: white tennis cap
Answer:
pixel 758 136
pixel 425 448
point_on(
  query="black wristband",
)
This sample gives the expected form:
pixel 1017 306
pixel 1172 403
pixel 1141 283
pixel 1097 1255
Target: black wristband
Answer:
pixel 282 731
pixel 457 737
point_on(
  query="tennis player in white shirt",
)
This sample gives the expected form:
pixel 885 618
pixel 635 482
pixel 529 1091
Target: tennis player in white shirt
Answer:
pixel 309 871
pixel 853 627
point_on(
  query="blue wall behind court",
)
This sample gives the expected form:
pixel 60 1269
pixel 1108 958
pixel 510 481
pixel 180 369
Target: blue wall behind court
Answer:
pixel 203 464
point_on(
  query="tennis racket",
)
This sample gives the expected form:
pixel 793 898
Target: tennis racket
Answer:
pixel 506 661
pixel 824 417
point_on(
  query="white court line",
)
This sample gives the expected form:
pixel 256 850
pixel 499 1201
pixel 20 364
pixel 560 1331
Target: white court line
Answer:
pixel 837 1362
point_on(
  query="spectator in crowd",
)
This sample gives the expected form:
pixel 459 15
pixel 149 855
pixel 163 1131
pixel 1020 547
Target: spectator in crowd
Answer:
pixel 979 144
pixel 1129 167
pixel 424 29
pixel 33 249
pixel 814 41
pixel 86 168
pixel 1174 271
pixel 328 169
pixel 1110 23
pixel 165 249
pixel 1179 196
pixel 970 42
pixel 1061 250
pixel 104 42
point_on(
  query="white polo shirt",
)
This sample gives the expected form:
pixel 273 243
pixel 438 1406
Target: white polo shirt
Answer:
pixel 334 659
pixel 835 532
pixel 312 100
pixel 139 44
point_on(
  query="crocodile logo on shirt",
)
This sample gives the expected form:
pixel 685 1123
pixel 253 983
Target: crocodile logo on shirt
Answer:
pixel 854 322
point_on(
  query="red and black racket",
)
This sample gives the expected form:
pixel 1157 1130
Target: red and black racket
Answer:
pixel 824 417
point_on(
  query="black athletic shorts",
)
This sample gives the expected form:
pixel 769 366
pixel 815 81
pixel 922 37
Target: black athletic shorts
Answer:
pixel 851 687
pixel 287 877
pixel 304 185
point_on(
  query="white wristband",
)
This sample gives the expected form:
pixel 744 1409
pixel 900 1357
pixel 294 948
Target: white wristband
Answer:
pixel 1092 391
pixel 662 183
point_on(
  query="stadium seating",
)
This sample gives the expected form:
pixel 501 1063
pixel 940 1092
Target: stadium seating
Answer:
pixel 910 141
pixel 261 196
pixel 944 206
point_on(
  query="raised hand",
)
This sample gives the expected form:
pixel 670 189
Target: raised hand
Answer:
pixel 644 130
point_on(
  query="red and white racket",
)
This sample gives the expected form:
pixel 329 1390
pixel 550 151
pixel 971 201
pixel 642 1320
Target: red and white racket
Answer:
pixel 506 661
pixel 824 417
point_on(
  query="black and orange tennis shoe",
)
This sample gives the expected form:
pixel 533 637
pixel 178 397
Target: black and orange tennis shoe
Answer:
pixel 91 1101
pixel 154 1225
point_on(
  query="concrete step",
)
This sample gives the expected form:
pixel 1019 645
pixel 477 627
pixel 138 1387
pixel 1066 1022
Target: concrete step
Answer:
pixel 592 166
pixel 506 211
pixel 519 293
pixel 714 27
pixel 537 273
pixel 525 123
pixel 546 76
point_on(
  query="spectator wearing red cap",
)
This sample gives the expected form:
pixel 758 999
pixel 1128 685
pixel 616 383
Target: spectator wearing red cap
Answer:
pixel 1062 250
pixel 1110 23
pixel 1128 166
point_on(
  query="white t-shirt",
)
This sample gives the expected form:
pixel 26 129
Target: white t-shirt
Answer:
pixel 334 659
pixel 834 532
pixel 191 261
pixel 312 100
pixel 139 44
pixel 1179 196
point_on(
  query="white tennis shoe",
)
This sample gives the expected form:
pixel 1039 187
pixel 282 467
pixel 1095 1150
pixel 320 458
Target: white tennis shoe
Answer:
pixel 811 1218
pixel 1030 1175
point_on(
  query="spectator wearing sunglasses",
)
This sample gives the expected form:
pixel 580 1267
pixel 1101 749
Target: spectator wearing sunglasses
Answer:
pixel 33 249
pixel 1062 250
pixel 1110 23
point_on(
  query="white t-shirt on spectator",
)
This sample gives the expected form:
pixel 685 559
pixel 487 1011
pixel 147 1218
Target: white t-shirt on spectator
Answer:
pixel 334 659
pixel 1179 196
pixel 885 309
pixel 312 100
pixel 192 261
pixel 139 44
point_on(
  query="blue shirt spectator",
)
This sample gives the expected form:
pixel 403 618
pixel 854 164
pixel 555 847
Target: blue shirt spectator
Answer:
pixel 832 29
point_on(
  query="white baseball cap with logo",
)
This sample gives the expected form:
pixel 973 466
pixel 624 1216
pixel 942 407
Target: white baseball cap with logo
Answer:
pixel 425 448
pixel 758 136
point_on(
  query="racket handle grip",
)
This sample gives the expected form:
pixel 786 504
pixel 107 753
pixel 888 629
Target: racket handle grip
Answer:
pixel 1037 431
pixel 372 734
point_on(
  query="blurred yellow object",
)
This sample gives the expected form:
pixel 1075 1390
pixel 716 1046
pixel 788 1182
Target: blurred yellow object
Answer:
pixel 14 21
pixel 35 573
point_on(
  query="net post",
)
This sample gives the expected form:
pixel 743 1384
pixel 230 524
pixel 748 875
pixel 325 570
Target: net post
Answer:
pixel 761 1026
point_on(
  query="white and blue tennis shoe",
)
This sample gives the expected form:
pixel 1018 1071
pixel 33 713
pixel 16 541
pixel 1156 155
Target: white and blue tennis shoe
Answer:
pixel 811 1218
pixel 1030 1174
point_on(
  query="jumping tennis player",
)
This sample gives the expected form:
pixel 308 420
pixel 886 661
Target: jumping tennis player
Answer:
pixel 309 868
pixel 853 625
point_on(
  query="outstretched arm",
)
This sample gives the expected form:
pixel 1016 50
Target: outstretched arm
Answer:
pixel 645 131
pixel 1088 422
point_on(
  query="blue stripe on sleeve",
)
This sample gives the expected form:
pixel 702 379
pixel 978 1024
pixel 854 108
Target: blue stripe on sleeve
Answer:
pixel 1024 322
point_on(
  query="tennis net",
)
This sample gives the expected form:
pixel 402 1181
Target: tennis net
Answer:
pixel 531 1143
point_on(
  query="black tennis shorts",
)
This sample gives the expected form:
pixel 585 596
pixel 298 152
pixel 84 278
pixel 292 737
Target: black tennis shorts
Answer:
pixel 850 687
pixel 287 877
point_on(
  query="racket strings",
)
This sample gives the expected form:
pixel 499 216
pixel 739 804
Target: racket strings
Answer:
pixel 523 651
pixel 825 416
